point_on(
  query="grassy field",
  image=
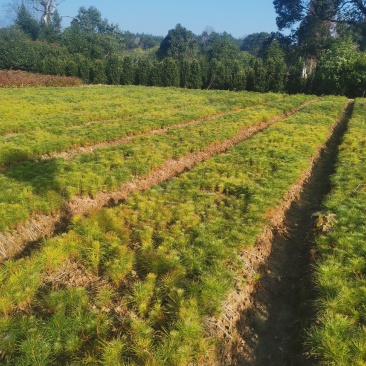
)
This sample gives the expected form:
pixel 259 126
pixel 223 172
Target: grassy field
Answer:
pixel 134 284
pixel 339 337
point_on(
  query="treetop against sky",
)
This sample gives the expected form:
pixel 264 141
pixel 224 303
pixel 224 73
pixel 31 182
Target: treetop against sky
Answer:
pixel 238 17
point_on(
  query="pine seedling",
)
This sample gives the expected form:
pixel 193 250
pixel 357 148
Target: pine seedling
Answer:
pixel 36 350
pixel 142 294
pixel 112 352
pixel 142 341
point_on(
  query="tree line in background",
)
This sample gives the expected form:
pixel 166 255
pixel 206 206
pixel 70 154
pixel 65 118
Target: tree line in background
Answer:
pixel 323 55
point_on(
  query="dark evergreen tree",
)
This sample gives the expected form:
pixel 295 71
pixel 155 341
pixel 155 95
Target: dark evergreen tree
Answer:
pixel 17 51
pixel 180 44
pixel 142 71
pixel 239 77
pixel 254 43
pixel 185 73
pixel 53 66
pixel 71 67
pixel 52 32
pixel 27 23
pixel 260 74
pixel 195 75
pixel 250 82
pixel 128 71
pixel 84 67
pixel 296 78
pixel 98 73
pixel 113 70
pixel 170 72
pixel 276 69
pixel 155 74
pixel 90 20
pixel 315 20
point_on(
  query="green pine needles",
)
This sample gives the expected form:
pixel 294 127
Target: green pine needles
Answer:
pixel 339 335
pixel 135 284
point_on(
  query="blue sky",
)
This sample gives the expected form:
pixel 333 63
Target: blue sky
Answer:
pixel 238 17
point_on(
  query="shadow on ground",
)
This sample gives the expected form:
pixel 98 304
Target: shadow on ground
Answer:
pixel 273 329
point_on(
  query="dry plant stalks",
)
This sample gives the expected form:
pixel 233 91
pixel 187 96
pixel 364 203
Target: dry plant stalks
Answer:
pixel 240 300
pixel 73 274
pixel 43 226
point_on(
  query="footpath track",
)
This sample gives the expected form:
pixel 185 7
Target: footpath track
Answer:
pixel 265 321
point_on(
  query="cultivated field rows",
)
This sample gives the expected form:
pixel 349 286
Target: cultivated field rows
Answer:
pixel 44 186
pixel 46 122
pixel 339 336
pixel 136 283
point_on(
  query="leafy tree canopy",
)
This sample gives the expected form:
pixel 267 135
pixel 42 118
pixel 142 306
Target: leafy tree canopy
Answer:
pixel 90 21
pixel 26 22
pixel 253 43
pixel 222 46
pixel 179 44
pixel 290 12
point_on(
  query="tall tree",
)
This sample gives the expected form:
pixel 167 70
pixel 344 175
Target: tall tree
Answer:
pixel 276 68
pixel 52 32
pixel 26 22
pixel 312 22
pixel 293 12
pixel 180 44
pixel 128 71
pixel 170 72
pixel 254 43
pixel 47 8
pixel 90 21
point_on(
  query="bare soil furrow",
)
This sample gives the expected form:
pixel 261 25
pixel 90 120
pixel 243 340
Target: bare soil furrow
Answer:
pixel 264 319
pixel 42 226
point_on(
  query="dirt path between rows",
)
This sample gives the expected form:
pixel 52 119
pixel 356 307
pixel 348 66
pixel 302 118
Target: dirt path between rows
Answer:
pixel 41 226
pixel 265 321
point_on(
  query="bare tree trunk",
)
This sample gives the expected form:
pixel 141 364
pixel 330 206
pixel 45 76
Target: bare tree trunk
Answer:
pixel 48 7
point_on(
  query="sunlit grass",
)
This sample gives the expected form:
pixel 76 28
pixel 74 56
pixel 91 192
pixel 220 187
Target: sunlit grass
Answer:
pixel 339 334
pixel 41 187
pixel 163 261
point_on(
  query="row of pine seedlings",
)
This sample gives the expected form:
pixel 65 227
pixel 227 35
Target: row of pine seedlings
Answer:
pixel 43 186
pixel 58 121
pixel 133 285
pixel 339 337
pixel 46 122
